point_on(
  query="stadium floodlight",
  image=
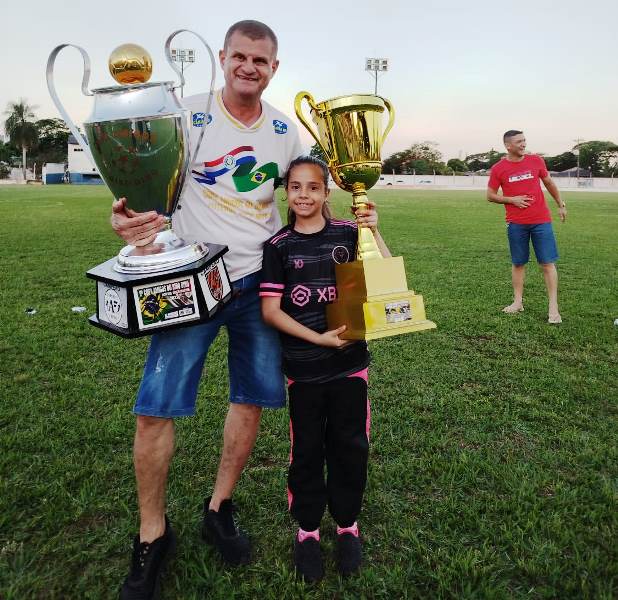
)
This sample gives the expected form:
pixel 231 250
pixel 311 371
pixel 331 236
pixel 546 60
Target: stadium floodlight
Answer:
pixel 184 57
pixel 375 66
pixel 578 141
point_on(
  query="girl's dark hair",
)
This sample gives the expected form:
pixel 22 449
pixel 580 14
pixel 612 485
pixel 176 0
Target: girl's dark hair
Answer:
pixel 316 162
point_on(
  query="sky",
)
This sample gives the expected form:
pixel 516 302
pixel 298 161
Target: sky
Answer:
pixel 460 73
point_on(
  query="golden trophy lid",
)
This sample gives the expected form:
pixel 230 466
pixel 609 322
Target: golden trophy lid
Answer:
pixel 130 63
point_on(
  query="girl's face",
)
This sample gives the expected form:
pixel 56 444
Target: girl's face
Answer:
pixel 306 191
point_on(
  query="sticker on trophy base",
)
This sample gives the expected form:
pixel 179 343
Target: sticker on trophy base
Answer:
pixel 166 302
pixel 112 304
pixel 398 311
pixel 215 284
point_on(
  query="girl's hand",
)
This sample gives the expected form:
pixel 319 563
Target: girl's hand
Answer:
pixel 331 338
pixel 368 217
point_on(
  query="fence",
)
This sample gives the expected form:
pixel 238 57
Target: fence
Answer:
pixel 477 182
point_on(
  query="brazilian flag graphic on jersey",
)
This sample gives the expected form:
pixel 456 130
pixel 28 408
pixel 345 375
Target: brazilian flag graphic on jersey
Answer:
pixel 246 176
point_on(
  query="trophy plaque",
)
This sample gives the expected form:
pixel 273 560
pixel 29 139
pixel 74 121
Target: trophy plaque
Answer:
pixel 373 297
pixel 138 137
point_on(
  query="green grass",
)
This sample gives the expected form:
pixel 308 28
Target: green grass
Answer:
pixel 493 469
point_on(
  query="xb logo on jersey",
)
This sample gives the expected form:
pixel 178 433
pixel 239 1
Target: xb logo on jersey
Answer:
pixel 300 295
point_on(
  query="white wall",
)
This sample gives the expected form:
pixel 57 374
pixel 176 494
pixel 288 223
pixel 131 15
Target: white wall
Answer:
pixel 79 162
pixel 477 182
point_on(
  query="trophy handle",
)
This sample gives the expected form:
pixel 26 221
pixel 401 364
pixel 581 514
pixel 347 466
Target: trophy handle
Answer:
pixel 391 118
pixel 49 72
pixel 213 73
pixel 301 117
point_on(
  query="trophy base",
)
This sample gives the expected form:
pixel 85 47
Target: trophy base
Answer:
pixel 137 304
pixel 374 301
pixel 166 252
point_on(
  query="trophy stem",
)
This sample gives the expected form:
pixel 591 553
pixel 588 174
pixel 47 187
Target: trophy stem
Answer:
pixel 366 247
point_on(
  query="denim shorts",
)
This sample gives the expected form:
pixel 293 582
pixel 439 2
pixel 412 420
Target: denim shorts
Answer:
pixel 176 358
pixel 543 242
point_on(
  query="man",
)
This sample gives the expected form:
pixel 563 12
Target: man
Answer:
pixel 228 199
pixel 528 217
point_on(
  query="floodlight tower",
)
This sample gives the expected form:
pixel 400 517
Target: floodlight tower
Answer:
pixel 184 57
pixel 375 66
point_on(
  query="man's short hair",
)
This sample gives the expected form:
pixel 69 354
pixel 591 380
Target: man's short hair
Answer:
pixel 509 134
pixel 254 30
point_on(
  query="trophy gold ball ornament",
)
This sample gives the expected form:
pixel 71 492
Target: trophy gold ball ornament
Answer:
pixel 130 63
pixel 373 297
pixel 138 136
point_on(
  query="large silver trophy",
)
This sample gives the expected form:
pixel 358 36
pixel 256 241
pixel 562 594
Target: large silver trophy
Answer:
pixel 138 137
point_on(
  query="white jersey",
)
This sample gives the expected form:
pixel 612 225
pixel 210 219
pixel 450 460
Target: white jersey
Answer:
pixel 228 196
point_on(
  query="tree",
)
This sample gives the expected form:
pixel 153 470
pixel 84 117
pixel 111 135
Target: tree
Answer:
pixel 599 157
pixel 422 158
pixel 53 137
pixel 317 152
pixel 7 152
pixel 484 160
pixel 457 165
pixel 561 162
pixel 21 130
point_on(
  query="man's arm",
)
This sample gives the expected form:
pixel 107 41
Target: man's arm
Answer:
pixel 137 229
pixel 518 201
pixel 552 188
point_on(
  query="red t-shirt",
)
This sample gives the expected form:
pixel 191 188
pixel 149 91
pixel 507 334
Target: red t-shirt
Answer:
pixel 522 179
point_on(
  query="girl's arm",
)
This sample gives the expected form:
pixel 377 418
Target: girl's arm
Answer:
pixel 274 316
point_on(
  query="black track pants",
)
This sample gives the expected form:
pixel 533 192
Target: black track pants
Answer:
pixel 329 425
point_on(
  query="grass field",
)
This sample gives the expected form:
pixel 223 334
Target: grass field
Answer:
pixel 493 469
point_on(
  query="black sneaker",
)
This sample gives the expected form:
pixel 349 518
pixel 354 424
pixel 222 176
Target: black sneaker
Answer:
pixel 349 553
pixel 147 563
pixel 220 530
pixel 308 559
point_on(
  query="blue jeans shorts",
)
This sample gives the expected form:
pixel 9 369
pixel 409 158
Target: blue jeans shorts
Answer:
pixel 176 358
pixel 543 242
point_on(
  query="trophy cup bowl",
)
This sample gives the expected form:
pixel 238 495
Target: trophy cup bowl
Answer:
pixel 349 130
pixel 138 136
pixel 373 297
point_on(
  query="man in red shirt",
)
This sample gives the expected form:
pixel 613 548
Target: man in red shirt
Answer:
pixel 528 217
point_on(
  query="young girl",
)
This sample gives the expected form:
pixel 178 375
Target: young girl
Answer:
pixel 327 376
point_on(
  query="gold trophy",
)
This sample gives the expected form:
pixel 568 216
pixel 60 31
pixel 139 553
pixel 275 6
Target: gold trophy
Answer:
pixel 373 297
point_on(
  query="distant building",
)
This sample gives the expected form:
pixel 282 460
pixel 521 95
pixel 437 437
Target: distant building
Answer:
pixel 53 173
pixel 80 169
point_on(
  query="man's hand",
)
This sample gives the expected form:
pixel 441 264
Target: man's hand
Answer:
pixel 562 211
pixel 137 229
pixel 331 338
pixel 521 201
pixel 368 217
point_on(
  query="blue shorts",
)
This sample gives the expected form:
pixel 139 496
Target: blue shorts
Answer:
pixel 176 358
pixel 543 242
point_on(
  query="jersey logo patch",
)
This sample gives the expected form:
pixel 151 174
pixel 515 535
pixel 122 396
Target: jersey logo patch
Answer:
pixel 200 119
pixel 246 177
pixel 341 254
pixel 280 127
pixel 299 263
pixel 300 295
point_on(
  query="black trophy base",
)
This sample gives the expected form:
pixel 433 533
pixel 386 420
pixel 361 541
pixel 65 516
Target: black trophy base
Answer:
pixel 134 305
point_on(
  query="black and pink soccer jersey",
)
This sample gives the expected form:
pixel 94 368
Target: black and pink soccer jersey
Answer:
pixel 300 268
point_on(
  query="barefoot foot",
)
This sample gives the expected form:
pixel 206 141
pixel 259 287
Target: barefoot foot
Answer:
pixel 513 308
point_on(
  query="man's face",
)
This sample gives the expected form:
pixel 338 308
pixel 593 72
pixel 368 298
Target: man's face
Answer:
pixel 516 144
pixel 248 65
